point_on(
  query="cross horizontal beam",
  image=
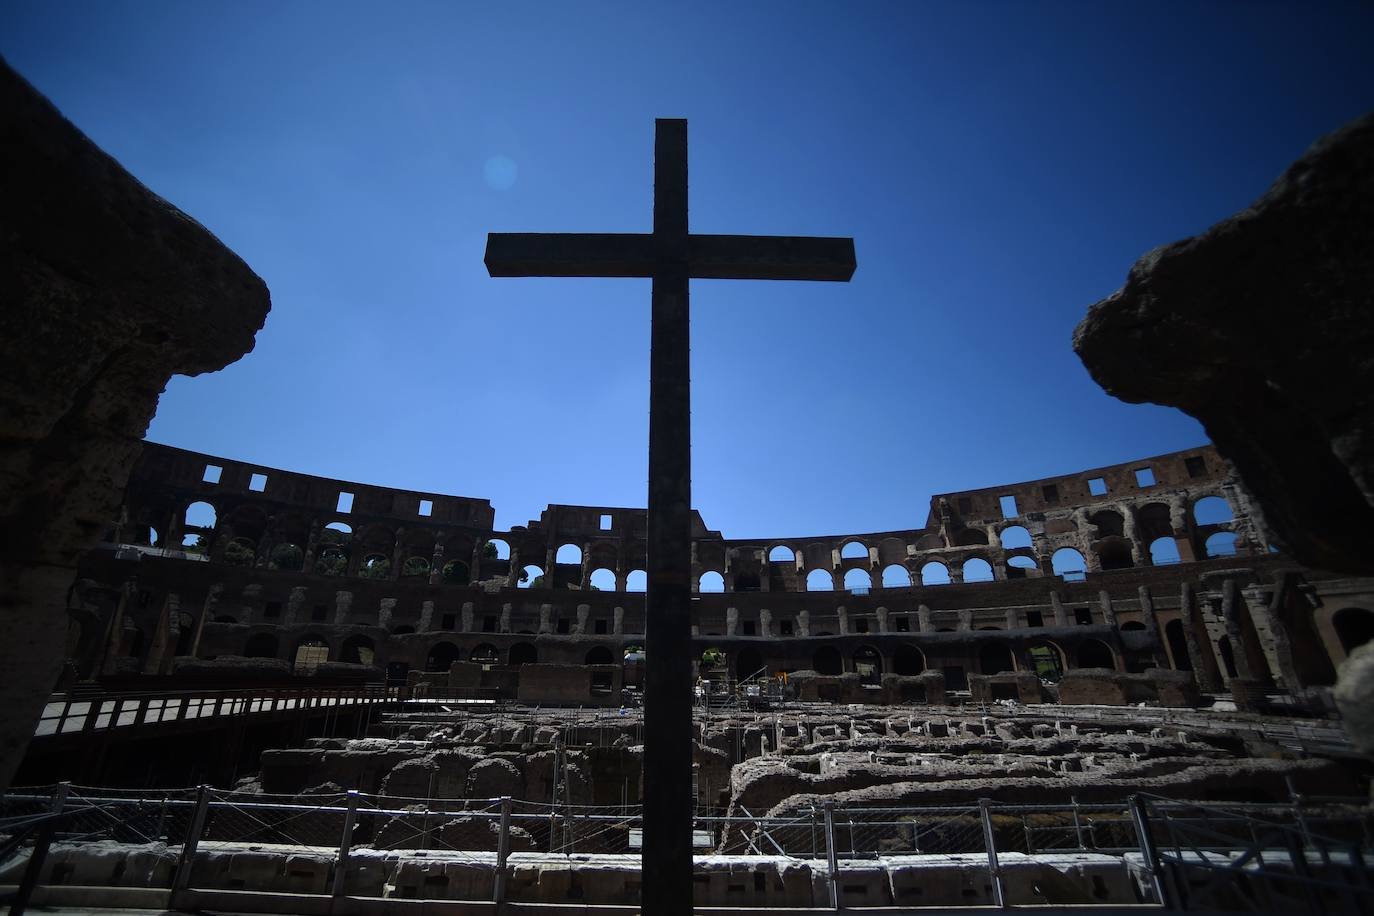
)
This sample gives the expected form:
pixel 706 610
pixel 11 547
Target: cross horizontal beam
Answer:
pixel 710 257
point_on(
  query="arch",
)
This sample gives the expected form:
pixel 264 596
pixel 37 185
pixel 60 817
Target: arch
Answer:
pixel 441 656
pixel 336 533
pixel 747 582
pixel 240 552
pixel 826 660
pixel 1046 660
pixel 496 549
pixel 414 567
pixel 637 581
pixel 908 661
pixel 286 556
pixel 602 579
pixel 995 658
pixel 357 650
pixel 531 577
pixel 1109 523
pixel 1221 544
pixel 455 572
pixel 332 553
pixel 1178 645
pixel 522 653
pixel 1132 626
pixel 1094 653
pixel 896 576
pixel 976 569
pixel 935 573
pixel 1212 510
pixel 1164 552
pixel 711 581
pixel 403 630
pixel 868 665
pixel 1152 521
pixel 261 645
pixel 374 566
pixel 854 550
pixel 782 554
pixel 1115 554
pixel 748 662
pixel 310 651
pixel 858 581
pixel 485 654
pixel 1068 564
pixel 200 515
pixel 818 580
pixel 1354 627
pixel 1228 657
pixel 1019 567
pixel 599 655
pixel 1014 536
pixel 570 554
pixel 971 537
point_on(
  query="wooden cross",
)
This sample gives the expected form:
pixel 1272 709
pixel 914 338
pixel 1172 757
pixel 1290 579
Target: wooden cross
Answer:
pixel 671 256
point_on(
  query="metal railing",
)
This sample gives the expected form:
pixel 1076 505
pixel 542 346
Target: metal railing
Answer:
pixel 1305 854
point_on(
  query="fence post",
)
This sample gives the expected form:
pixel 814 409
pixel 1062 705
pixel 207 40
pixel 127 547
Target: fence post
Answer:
pixel 990 841
pixel 1141 818
pixel 34 868
pixel 1077 823
pixel 829 811
pixel 188 846
pixel 345 842
pixel 502 852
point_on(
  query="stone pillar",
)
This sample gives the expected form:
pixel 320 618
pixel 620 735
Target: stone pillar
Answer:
pixel 207 613
pixel 312 546
pixel 294 604
pixel 465 617
pixel 956 573
pixel 580 627
pixel 1129 531
pixel 398 555
pixel 1061 616
pixel 436 563
pixel 1282 653
pixel 1230 617
pixel 585 579
pixel 618 621
pixel 842 613
pixel 1013 619
pixel 545 613
pixel 918 578
pixel 264 548
pixel 343 603
pixel 503 624
pixel 385 610
pixel 1205 669
pixel 731 621
pixel 965 620
pixel 550 566
pixel 881 614
pixel 479 552
pixel 513 577
pixel 803 623
pixel 923 619
pixel 426 615
pixel 1104 598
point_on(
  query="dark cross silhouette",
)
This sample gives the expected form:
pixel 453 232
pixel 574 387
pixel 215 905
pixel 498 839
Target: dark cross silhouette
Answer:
pixel 671 256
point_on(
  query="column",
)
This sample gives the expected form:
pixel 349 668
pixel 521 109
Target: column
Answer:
pixel 1061 617
pixel 1104 598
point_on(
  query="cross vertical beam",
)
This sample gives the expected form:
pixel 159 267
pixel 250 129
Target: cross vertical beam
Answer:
pixel 666 879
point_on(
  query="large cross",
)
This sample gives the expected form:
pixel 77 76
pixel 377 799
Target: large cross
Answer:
pixel 670 255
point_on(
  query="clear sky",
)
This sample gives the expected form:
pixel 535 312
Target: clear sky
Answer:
pixel 999 165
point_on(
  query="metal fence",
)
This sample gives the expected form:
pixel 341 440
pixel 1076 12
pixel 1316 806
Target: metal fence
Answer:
pixel 1308 854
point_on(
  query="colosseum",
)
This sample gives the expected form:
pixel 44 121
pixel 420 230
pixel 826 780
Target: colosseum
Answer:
pixel 989 708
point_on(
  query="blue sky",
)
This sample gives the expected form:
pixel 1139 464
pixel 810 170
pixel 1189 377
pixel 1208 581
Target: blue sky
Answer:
pixel 999 165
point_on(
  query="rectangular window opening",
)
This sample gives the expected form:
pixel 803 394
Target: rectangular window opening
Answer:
pixel 488 624
pixel 449 621
pixel 747 627
pixel 1196 466
pixel 272 610
pixel 861 626
pixel 212 472
pixel 965 505
pixel 345 503
pixel 1082 616
pixel 903 625
pixel 1008 504
pixel 319 612
pixel 1097 486
pixel 605 523
pixel 1050 492
pixel 600 628
pixel 784 628
pixel 562 626
pixel 426 507
pixel 257 483
pixel 1035 619
pixel 1144 477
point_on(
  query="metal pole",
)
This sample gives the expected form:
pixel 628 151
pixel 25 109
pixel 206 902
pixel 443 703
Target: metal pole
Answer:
pixel 345 842
pixel 1141 819
pixel 829 811
pixel 990 841
pixel 502 852
pixel 1077 823
pixel 188 846
pixel 35 867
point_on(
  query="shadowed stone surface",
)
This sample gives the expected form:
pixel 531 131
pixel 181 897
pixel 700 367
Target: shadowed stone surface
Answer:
pixel 1355 697
pixel 1261 329
pixel 106 291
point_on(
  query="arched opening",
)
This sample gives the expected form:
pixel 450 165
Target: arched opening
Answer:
pixel 934 573
pixel 1014 537
pixel 826 660
pixel 1354 627
pixel 896 576
pixel 995 658
pixel 357 650
pixel 1132 626
pixel 971 537
pixel 531 577
pixel 1020 567
pixel 711 582
pixel 396 673
pixel 485 654
pixel 1221 544
pixel 1068 564
pixel 240 552
pixel 1153 521
pixel 441 656
pixel 522 653
pixel 260 645
pixel 1108 523
pixel 200 515
pixel 1093 653
pixel 858 582
pixel 603 580
pixel 496 549
pixel 403 630
pixel 636 581
pixel 868 665
pixel 455 572
pixel 310 652
pixel 286 556
pixel 976 569
pixel 331 556
pixel 747 582
pixel 908 661
pixel 782 554
pixel 600 655
pixel 415 568
pixel 1212 510
pixel 1178 645
pixel 569 554
pixel 1164 552
pixel 748 663
pixel 374 566
pixel 854 550
pixel 1114 554
pixel 1046 661
pixel 818 580
pixel 1228 657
